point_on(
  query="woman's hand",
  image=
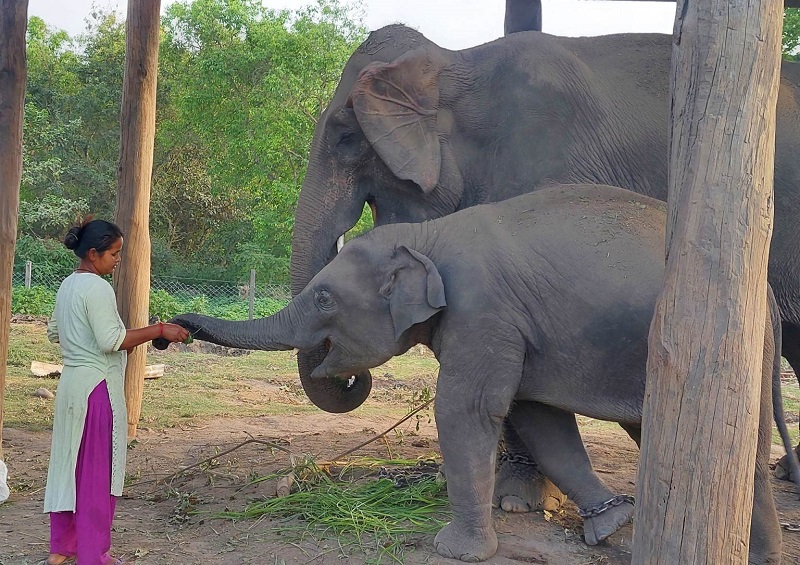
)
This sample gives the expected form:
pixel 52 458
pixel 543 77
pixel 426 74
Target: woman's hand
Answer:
pixel 173 332
pixel 158 331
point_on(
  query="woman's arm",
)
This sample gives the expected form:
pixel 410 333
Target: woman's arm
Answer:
pixel 170 332
pixel 52 329
pixel 109 330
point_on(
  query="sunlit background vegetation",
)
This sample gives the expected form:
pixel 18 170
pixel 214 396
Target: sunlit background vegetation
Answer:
pixel 240 88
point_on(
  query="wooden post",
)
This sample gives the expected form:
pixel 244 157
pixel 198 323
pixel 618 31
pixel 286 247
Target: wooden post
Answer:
pixel 700 421
pixel 138 120
pixel 28 269
pixel 13 75
pixel 252 293
pixel 522 15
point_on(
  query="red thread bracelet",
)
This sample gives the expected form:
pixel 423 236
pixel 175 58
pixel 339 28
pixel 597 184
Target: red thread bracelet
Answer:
pixel 161 329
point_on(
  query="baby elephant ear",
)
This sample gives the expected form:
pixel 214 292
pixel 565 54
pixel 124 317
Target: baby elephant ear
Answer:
pixel 416 291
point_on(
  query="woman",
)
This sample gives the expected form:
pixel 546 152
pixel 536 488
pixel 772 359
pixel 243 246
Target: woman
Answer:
pixel 87 458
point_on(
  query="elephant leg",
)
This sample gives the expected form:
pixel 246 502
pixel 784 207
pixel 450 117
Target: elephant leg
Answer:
pixel 519 486
pixel 765 529
pixel 790 346
pixel 634 431
pixel 470 408
pixel 555 442
pixel 791 351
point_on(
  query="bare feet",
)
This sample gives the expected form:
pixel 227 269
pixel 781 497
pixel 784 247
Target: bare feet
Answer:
pixel 57 559
pixel 119 561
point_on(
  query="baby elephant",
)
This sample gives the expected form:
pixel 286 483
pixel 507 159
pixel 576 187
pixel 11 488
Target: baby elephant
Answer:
pixel 542 302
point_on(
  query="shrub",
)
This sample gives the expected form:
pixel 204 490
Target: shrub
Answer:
pixel 163 305
pixel 268 306
pixel 33 301
pixel 51 260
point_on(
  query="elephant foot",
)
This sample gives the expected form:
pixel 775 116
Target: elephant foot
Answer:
pixel 520 487
pixel 605 519
pixel 465 544
pixel 783 470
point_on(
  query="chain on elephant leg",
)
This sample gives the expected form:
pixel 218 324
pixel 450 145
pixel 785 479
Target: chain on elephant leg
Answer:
pixel 520 487
pixel 602 520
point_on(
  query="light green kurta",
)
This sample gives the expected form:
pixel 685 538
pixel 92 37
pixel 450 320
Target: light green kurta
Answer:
pixel 87 325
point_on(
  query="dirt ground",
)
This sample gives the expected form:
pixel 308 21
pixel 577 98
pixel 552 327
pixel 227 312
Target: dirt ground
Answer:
pixel 153 523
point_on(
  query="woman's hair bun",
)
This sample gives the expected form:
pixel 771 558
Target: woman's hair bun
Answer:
pixel 72 239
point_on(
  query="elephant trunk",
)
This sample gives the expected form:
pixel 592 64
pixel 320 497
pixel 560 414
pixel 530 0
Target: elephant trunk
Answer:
pixel 278 332
pixel 282 331
pixel 317 228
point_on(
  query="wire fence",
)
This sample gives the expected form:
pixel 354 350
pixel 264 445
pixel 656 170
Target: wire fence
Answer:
pixel 34 293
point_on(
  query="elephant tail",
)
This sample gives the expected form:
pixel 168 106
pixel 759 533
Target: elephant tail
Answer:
pixel 777 397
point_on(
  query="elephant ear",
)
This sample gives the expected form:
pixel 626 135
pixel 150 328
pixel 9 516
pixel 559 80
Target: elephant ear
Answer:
pixel 396 105
pixel 415 290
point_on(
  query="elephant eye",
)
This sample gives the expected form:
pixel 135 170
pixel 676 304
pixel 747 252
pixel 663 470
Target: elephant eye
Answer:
pixel 348 146
pixel 324 299
pixel 346 137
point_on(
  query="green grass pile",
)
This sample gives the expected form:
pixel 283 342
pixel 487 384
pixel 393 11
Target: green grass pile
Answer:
pixel 376 516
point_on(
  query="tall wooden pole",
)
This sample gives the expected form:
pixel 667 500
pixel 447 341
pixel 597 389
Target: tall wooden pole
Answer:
pixel 138 124
pixel 13 76
pixel 695 484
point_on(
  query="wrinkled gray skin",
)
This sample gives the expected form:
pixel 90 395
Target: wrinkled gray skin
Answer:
pixel 543 301
pixel 418 132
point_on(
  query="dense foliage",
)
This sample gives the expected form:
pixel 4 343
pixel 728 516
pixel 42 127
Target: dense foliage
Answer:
pixel 239 90
pixel 791 34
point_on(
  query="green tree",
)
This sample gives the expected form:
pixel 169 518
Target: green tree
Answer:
pixel 245 86
pixel 791 34
pixel 71 129
pixel 51 79
pixel 71 134
pixel 97 106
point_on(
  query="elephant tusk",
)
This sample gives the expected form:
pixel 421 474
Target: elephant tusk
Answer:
pixel 339 243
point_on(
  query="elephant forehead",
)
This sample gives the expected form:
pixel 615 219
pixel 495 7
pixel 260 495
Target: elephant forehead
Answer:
pixel 353 266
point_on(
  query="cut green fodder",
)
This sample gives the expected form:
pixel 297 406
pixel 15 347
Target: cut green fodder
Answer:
pixel 375 516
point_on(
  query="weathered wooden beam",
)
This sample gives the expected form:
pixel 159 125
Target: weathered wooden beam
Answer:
pixel 13 76
pixel 134 175
pixel 707 349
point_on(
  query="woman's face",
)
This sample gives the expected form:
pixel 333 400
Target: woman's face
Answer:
pixel 107 261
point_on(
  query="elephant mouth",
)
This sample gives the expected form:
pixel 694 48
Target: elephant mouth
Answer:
pixel 373 210
pixel 348 378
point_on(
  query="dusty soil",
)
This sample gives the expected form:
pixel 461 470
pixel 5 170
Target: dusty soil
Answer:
pixel 154 523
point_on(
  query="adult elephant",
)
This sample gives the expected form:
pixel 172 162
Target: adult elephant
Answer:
pixel 417 132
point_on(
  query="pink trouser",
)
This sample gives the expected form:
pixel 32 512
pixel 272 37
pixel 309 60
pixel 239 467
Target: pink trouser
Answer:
pixel 86 533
